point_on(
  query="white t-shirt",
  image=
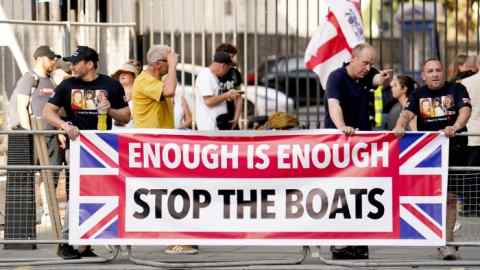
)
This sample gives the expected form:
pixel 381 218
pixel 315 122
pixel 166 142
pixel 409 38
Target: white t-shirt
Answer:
pixel 178 112
pixel 472 84
pixel 207 85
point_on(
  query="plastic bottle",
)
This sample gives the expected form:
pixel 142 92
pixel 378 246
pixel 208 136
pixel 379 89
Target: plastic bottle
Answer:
pixel 102 121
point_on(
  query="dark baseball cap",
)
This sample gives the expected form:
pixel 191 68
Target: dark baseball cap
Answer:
pixel 45 50
pixel 223 58
pixel 82 53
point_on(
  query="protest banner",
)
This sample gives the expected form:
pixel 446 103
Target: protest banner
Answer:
pixel 312 187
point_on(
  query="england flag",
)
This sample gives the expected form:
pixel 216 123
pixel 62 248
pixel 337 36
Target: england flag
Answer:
pixel 331 44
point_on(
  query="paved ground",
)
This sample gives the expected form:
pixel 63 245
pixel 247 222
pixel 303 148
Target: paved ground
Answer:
pixel 209 254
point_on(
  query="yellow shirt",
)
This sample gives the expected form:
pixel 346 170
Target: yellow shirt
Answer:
pixel 150 108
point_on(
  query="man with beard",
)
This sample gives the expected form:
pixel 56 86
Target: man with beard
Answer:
pixel 457 110
pixel 33 89
pixel 71 94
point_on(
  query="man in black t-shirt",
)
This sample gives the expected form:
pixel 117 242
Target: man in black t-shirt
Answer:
pixel 348 93
pixel 231 80
pixel 90 101
pixel 440 106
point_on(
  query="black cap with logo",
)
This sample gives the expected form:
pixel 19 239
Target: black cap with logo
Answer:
pixel 45 50
pixel 82 53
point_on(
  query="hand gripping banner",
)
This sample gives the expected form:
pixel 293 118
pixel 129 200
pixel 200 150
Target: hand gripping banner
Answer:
pixel 312 187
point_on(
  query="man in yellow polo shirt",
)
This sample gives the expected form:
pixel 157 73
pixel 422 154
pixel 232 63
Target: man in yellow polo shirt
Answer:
pixel 154 88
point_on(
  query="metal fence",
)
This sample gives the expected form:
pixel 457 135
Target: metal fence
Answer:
pixel 271 36
pixel 63 25
pixel 33 202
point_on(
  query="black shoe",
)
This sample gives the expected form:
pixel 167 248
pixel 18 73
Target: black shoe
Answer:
pixel 67 252
pixel 346 253
pixel 361 252
pixel 88 253
pixel 350 253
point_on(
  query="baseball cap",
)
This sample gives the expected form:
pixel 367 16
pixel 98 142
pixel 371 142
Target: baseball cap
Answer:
pixel 223 58
pixel 45 50
pixel 82 53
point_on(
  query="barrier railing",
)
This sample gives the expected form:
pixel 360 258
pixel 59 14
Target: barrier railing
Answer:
pixel 47 181
pixel 34 200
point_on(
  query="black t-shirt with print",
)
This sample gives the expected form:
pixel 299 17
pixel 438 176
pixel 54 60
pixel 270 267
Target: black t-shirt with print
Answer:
pixel 80 98
pixel 231 80
pixel 437 109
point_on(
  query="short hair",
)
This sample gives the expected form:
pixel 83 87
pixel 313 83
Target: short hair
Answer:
pixel 157 52
pixel 226 47
pixel 430 60
pixel 359 48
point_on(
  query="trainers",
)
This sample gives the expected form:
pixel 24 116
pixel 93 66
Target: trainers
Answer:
pixel 448 253
pixel 342 253
pixel 181 250
pixel 88 252
pixel 361 252
pixel 457 227
pixel 350 253
pixel 67 252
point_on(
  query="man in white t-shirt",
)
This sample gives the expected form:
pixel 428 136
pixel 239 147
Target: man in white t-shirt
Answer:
pixel 472 84
pixel 471 190
pixel 210 103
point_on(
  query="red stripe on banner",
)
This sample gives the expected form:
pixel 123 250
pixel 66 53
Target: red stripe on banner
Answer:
pixel 426 185
pixel 331 47
pixel 100 224
pixel 426 140
pixel 97 152
pixel 434 228
pixel 101 185
pixel 259 235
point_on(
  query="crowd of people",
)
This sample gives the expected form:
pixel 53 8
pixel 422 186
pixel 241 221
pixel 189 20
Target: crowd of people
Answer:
pixel 76 97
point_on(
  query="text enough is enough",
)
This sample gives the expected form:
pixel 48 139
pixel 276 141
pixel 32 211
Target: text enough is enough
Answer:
pixel 260 157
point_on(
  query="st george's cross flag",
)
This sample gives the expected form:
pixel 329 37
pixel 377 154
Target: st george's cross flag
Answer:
pixel 331 44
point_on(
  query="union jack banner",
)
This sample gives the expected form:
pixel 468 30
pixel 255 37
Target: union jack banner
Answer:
pixel 314 187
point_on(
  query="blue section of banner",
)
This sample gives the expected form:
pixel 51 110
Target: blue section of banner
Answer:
pixel 434 160
pixel 110 232
pixel 408 232
pixel 88 161
pixel 110 139
pixel 434 210
pixel 87 210
pixel 408 139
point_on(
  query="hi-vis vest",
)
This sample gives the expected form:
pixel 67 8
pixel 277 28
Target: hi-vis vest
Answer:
pixel 378 106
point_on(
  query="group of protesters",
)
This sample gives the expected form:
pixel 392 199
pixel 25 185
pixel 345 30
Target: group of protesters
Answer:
pixel 69 94
pixel 74 97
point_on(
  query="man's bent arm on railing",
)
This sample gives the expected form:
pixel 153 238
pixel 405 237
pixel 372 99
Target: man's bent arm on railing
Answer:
pixel 51 115
pixel 405 117
pixel 462 119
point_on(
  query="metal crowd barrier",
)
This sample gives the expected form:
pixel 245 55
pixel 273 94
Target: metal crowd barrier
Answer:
pixel 34 199
pixel 467 181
